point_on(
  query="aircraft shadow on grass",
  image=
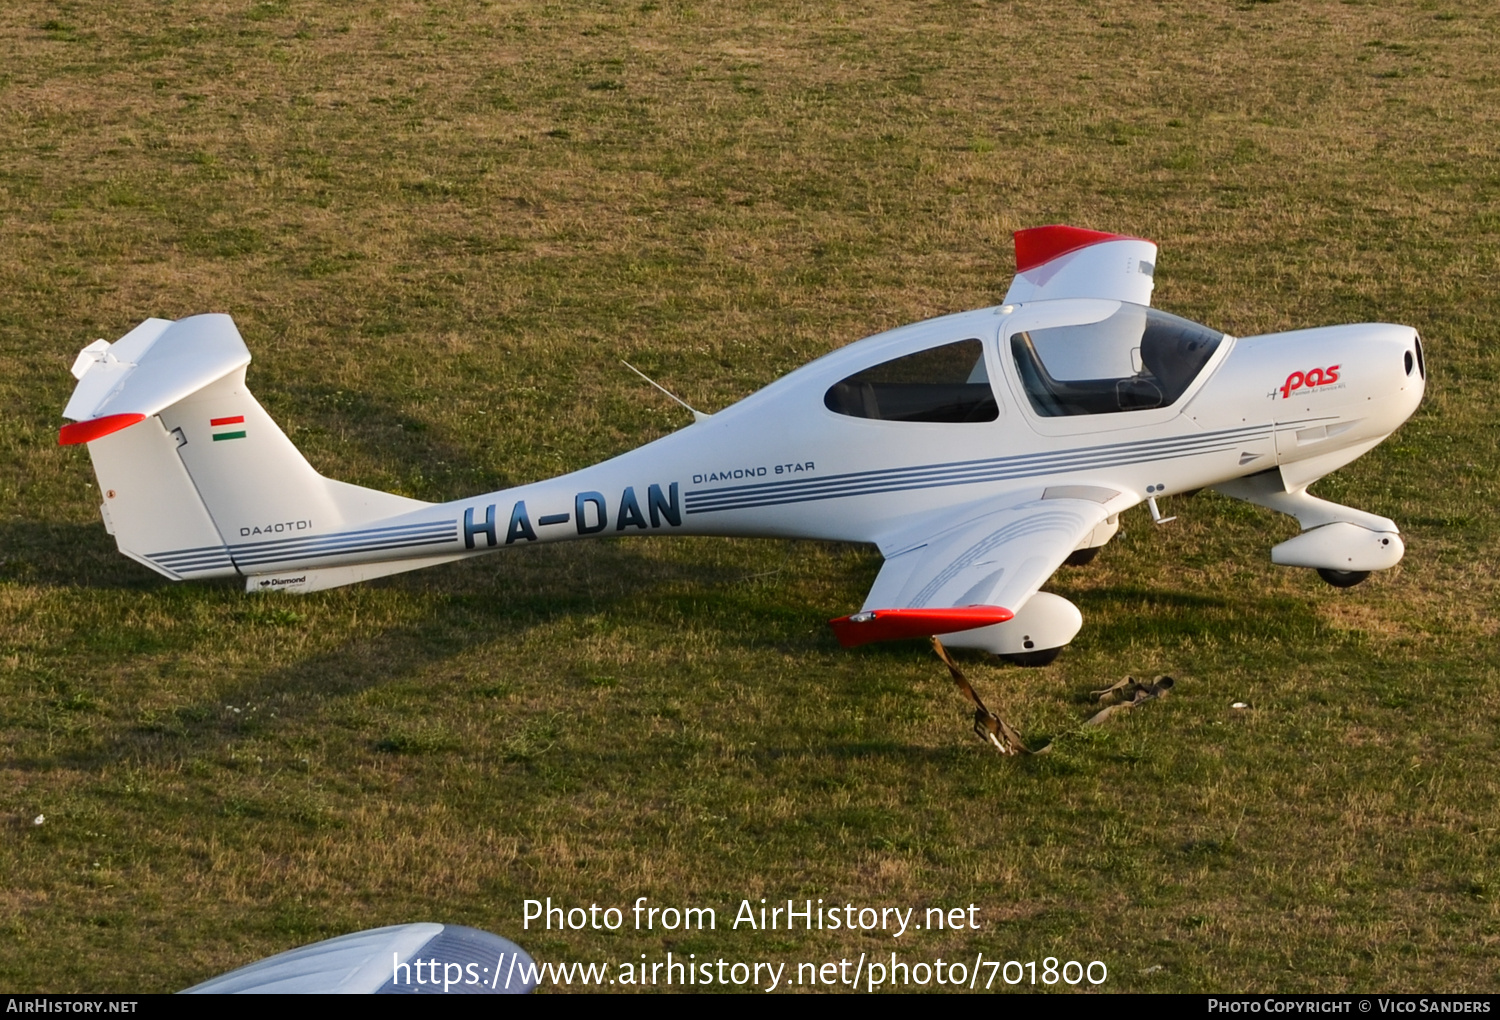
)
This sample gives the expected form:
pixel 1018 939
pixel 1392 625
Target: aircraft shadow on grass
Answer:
pixel 469 605
pixel 452 612
pixel 47 554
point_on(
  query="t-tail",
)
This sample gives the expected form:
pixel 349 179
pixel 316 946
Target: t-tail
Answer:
pixel 199 482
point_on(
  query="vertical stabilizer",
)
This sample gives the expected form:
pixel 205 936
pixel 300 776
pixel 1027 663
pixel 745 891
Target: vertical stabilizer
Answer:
pixel 256 485
pixel 198 481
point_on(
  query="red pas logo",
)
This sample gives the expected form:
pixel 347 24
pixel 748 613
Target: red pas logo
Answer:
pixel 1311 378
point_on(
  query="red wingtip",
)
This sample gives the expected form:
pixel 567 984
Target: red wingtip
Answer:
pixel 1036 245
pixel 96 428
pixel 894 624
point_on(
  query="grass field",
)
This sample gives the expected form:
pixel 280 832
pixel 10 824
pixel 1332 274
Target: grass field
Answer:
pixel 439 228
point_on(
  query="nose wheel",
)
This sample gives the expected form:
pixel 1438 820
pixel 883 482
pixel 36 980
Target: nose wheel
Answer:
pixel 1342 578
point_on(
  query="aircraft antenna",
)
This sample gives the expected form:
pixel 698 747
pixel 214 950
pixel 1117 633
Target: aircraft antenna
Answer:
pixel 697 414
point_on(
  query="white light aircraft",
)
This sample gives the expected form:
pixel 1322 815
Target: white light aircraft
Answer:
pixel 978 451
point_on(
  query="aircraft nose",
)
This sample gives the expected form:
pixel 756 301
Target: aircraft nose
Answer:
pixel 1415 360
pixel 1374 372
pixel 1407 375
pixel 1414 365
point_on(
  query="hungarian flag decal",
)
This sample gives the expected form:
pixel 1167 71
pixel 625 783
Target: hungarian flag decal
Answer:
pixel 228 428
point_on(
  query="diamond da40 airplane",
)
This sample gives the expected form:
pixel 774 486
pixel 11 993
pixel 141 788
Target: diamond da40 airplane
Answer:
pixel 978 451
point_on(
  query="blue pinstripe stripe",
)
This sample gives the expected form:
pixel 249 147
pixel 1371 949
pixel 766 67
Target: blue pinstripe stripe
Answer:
pixel 187 566
pixel 191 555
pixel 336 542
pixel 1138 449
pixel 184 561
pixel 347 543
pixel 449 527
pixel 874 488
pixel 1143 449
pixel 345 550
pixel 414 536
pixel 744 497
pixel 192 566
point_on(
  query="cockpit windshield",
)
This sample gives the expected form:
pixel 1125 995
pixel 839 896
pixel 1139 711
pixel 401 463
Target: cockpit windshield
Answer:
pixel 1133 360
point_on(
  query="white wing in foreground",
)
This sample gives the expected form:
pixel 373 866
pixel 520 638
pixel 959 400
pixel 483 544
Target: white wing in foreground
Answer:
pixel 979 572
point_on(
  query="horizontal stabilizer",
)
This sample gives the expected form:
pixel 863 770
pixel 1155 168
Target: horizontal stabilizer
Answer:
pixel 148 370
pixel 1070 262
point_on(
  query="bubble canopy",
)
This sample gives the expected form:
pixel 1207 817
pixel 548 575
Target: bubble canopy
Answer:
pixel 1126 357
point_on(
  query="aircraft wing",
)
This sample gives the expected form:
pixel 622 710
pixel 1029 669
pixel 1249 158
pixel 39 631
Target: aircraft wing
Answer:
pixel 976 572
pixel 1070 262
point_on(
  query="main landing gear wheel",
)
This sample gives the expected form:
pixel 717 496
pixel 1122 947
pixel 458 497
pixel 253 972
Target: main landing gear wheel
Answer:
pixel 1041 657
pixel 1342 578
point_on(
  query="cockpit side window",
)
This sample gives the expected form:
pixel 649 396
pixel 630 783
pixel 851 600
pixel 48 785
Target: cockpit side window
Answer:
pixel 941 384
pixel 1134 360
